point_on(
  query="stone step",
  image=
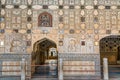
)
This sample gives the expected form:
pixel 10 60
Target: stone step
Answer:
pixel 44 79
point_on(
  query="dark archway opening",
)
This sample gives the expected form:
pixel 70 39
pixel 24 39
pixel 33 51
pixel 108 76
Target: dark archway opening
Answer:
pixel 110 49
pixel 118 55
pixel 45 58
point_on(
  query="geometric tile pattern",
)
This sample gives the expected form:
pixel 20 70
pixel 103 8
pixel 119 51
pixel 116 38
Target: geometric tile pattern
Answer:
pixel 10 58
pixel 82 57
pixel 76 20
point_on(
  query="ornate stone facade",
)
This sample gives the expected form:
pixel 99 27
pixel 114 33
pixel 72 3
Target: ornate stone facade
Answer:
pixel 76 26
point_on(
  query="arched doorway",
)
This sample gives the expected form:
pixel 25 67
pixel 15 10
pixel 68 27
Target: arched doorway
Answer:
pixel 118 58
pixel 110 48
pixel 45 58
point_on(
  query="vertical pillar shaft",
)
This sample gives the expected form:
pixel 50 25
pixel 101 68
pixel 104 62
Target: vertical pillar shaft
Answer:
pixel 23 69
pixel 60 69
pixel 105 69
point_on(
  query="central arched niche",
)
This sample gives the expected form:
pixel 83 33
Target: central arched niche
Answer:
pixel 110 48
pixel 45 56
pixel 45 20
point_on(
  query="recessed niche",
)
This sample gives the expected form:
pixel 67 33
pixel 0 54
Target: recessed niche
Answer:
pixel 16 6
pixel 82 7
pixel 29 19
pixel 60 43
pixel 2 31
pixel 2 6
pixel 28 31
pixel 1 43
pixel 45 7
pixel 71 7
pixel 95 7
pixel 107 7
pixel 15 30
pixel 71 31
pixel 29 6
pixel 83 43
pixel 28 43
pixel 60 7
pixel 108 31
pixel 82 19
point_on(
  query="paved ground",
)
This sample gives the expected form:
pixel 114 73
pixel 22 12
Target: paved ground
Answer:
pixel 114 78
pixel 57 79
pixel 44 79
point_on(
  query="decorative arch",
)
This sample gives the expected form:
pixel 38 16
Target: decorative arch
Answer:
pixel 45 20
pixel 40 41
pixel 43 57
pixel 109 48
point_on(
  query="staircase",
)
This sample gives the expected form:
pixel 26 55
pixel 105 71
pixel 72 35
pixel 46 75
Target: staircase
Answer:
pixel 44 72
pixel 114 72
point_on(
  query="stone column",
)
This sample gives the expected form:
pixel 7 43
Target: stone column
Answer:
pixel 105 69
pixel 60 69
pixel 23 69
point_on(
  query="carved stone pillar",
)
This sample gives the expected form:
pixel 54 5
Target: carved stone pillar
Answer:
pixel 23 69
pixel 105 69
pixel 60 69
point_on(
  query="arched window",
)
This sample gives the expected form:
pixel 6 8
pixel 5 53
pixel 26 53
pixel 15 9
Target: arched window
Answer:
pixel 45 20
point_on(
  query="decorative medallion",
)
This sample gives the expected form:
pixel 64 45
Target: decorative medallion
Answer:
pixel 96 37
pixel 23 6
pixel 96 26
pixel 60 12
pixel 28 36
pixel 37 7
pixel 16 12
pixel 29 25
pixel 52 7
pixel 82 26
pixel 2 19
pixel 82 12
pixel 101 7
pixel 61 25
pixel 95 2
pixel 113 7
pixel 96 43
pixel 95 12
pixel 82 2
pixel 29 2
pixel 2 25
pixel 89 7
pixel 61 36
pixel 77 7
pixel 29 12
pixel 61 2
pixel 3 1
pixel 2 12
pixel 22 31
pixel 66 7
pixel 9 6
